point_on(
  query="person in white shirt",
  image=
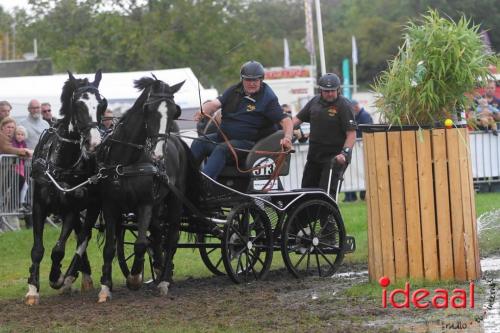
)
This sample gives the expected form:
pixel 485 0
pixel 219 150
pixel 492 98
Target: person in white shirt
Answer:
pixel 34 123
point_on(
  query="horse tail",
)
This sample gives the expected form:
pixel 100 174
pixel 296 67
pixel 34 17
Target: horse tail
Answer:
pixel 193 185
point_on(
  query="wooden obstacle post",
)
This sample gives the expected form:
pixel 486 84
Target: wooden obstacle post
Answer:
pixel 421 208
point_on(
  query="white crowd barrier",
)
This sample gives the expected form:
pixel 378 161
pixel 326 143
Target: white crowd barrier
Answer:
pixel 484 149
pixel 354 178
pixel 13 201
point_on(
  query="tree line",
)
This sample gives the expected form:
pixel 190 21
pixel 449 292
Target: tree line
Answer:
pixel 214 37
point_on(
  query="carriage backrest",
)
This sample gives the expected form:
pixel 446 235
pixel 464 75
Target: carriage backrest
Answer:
pixel 255 157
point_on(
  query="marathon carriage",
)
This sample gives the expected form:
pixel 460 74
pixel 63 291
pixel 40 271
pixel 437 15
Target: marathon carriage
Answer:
pixel 239 224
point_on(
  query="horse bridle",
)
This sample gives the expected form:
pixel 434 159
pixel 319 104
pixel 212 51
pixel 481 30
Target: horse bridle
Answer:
pixel 100 99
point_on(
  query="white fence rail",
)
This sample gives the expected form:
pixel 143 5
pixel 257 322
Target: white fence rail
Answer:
pixel 11 203
pixel 484 149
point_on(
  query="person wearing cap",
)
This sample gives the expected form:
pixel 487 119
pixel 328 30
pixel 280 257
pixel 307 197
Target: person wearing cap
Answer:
pixel 250 111
pixel 332 135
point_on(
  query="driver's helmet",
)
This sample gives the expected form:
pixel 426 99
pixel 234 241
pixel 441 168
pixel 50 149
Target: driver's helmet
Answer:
pixel 252 70
pixel 329 81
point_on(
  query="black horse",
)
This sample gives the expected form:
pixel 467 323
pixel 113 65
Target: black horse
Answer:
pixel 137 174
pixel 62 163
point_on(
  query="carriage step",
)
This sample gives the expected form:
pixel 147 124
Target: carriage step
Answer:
pixel 350 244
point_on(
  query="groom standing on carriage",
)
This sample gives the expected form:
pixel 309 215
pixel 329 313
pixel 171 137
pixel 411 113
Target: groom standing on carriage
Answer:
pixel 250 111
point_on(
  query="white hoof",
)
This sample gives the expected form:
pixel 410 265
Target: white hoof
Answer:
pixel 163 287
pixel 134 282
pixel 104 294
pixel 87 283
pixel 32 297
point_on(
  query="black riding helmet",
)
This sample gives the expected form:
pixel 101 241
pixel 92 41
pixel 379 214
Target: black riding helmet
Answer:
pixel 252 70
pixel 329 81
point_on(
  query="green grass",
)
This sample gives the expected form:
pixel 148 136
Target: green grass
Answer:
pixel 15 250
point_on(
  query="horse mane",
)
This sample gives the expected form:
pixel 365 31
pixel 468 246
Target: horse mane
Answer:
pixel 68 90
pixel 142 84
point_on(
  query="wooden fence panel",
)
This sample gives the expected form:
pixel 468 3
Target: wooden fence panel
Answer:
pixel 384 203
pixel 412 210
pixel 441 191
pixel 457 223
pixel 398 204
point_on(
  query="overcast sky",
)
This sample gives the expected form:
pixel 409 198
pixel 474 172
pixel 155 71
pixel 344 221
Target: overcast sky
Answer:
pixel 8 5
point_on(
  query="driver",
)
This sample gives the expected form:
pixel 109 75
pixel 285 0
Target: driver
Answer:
pixel 250 111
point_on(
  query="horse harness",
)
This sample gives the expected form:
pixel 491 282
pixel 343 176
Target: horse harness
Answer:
pixel 143 168
pixel 51 141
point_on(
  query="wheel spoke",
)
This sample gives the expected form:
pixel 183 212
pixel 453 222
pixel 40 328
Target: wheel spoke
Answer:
pixel 300 260
pixel 317 262
pixel 257 257
pixel 130 256
pixel 330 246
pixel 247 221
pixel 308 259
pixel 209 252
pixel 247 266
pixel 236 231
pixel 239 264
pixel 325 257
pixel 258 236
pixel 256 276
pixel 218 263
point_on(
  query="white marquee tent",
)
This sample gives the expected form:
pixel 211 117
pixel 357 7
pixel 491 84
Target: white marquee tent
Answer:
pixel 117 88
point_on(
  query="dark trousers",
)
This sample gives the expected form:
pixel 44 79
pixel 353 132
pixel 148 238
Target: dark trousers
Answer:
pixel 318 175
pixel 217 152
pixel 351 196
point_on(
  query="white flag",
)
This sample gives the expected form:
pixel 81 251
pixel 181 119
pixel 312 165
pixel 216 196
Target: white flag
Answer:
pixel 309 26
pixel 286 53
pixel 354 51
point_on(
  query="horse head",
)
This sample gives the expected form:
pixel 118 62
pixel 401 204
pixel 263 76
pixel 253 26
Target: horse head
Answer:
pixel 159 107
pixel 82 109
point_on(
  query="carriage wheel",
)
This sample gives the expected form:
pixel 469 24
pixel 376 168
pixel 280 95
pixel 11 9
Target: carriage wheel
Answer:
pixel 125 253
pixel 313 238
pixel 211 257
pixel 247 246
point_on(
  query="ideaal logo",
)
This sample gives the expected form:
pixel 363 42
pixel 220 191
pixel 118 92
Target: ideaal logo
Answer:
pixel 440 299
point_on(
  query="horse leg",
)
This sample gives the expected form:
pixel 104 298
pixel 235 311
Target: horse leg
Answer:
pixel 156 245
pixel 111 218
pixel 37 251
pixel 170 246
pixel 80 260
pixel 144 213
pixel 55 277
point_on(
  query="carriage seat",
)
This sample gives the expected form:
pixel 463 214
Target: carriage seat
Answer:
pixel 253 159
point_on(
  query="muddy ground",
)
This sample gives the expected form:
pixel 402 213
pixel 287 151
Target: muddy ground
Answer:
pixel 281 303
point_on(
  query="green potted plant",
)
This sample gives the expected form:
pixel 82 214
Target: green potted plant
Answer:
pixel 428 81
pixel 420 194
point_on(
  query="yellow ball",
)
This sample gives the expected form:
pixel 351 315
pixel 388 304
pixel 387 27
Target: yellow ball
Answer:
pixel 448 123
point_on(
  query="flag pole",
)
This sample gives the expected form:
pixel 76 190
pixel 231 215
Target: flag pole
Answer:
pixel 354 64
pixel 320 38
pixel 354 80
